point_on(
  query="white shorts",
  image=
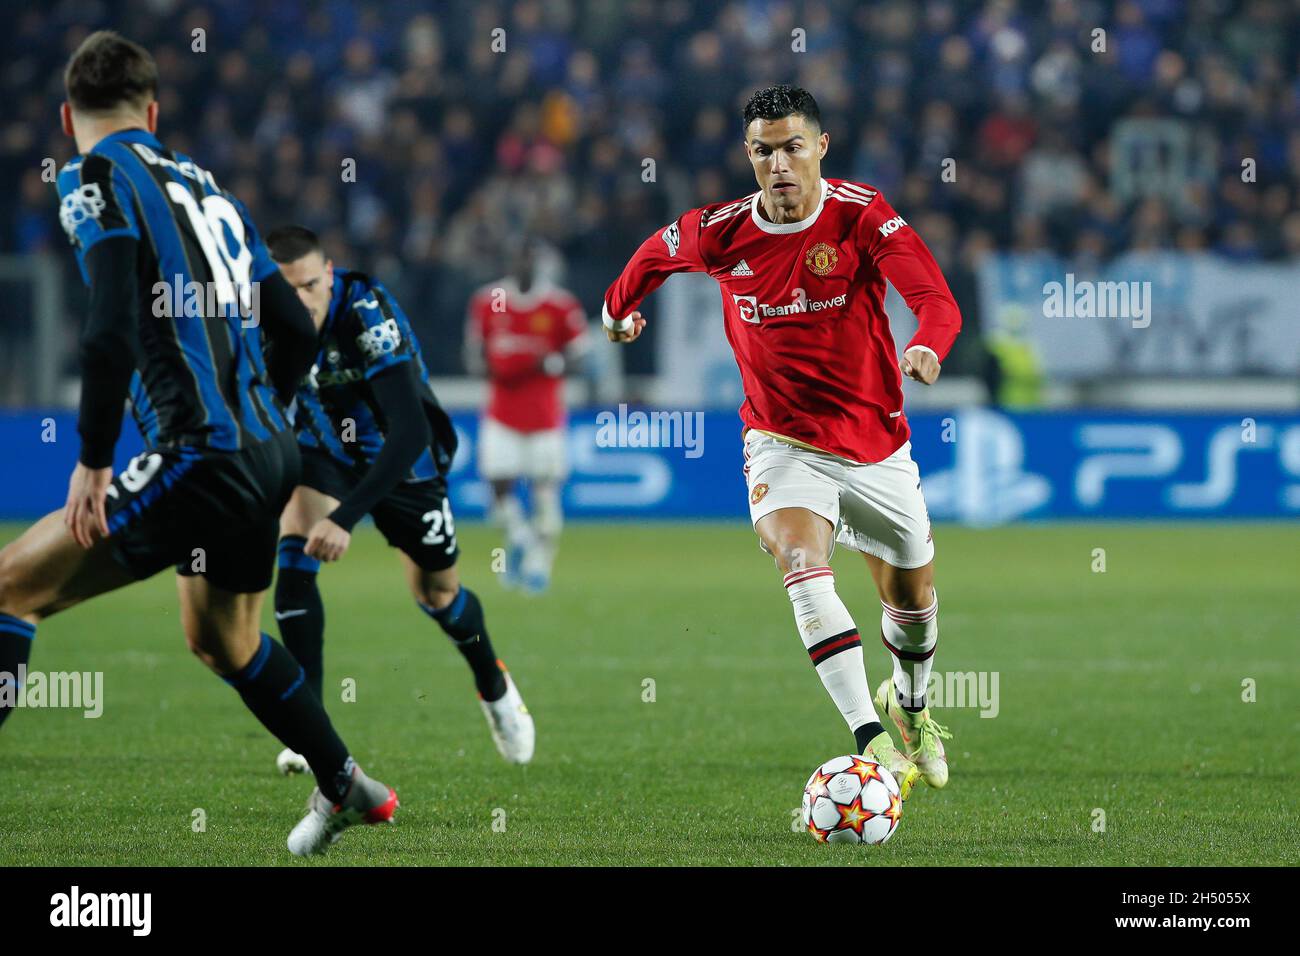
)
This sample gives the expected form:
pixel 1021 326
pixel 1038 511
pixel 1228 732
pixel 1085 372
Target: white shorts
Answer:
pixel 876 508
pixel 505 453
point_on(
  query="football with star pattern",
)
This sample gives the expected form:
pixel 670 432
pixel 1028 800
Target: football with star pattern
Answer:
pixel 851 799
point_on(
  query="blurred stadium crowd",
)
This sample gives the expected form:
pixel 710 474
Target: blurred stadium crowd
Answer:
pixel 458 147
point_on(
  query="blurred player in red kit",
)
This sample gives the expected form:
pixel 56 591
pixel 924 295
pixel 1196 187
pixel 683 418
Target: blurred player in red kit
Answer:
pixel 802 264
pixel 525 333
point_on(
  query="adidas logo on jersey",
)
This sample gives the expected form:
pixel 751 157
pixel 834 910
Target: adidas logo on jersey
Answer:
pixel 742 269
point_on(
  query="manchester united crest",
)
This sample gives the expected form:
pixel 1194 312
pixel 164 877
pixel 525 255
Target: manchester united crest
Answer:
pixel 822 258
pixel 759 492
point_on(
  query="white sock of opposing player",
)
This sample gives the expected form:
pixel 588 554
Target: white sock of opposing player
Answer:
pixel 508 514
pixel 832 640
pixel 548 521
pixel 911 637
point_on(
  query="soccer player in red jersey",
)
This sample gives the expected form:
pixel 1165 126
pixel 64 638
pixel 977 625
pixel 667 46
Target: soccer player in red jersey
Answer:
pixel 802 264
pixel 525 333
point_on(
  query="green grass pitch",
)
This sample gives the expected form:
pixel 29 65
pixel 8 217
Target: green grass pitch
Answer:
pixel 1119 692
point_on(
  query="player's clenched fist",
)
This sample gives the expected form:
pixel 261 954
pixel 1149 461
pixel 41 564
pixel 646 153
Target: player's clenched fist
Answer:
pixel 327 541
pixel 921 365
pixel 630 333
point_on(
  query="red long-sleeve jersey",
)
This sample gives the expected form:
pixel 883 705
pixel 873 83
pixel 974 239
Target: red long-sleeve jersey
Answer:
pixel 804 310
pixel 516 330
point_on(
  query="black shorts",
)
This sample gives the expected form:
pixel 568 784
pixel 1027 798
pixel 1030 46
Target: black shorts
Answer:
pixel 209 513
pixel 415 517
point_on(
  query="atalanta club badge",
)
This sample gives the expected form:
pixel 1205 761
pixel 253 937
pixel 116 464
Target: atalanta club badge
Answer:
pixel 822 258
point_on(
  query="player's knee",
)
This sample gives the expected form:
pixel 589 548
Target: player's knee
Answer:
pixel 206 636
pixel 293 523
pixel 911 595
pixel 436 598
pixel 203 647
pixel 437 591
pixel 218 651
pixel 304 509
pixel 794 552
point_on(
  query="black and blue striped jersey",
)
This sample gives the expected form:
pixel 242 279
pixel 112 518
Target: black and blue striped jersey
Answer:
pixel 364 333
pixel 201 379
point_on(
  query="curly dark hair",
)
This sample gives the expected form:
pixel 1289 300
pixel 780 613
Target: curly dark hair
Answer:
pixel 777 102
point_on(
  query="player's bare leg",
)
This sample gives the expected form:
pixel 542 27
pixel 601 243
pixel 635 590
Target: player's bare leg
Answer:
pixel 909 627
pixel 547 523
pixel 222 629
pixel 800 541
pixel 43 572
pixel 457 610
pixel 508 514
pixel 299 610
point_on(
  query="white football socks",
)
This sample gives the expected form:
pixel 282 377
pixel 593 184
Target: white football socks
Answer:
pixel 832 641
pixel 508 513
pixel 548 521
pixel 911 637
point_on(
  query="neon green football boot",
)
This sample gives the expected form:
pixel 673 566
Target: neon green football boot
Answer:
pixel 922 737
pixel 883 751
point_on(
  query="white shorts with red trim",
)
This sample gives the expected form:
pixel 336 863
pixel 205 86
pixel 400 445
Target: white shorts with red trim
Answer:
pixel 505 452
pixel 874 508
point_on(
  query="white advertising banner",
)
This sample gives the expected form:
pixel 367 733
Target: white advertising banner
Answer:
pixel 1160 314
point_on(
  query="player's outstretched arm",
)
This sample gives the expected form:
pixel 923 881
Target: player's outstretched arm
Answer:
pixel 407 436
pixel 674 248
pixel 108 354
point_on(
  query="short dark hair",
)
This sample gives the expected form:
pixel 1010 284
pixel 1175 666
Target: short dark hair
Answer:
pixel 291 243
pixel 778 102
pixel 108 71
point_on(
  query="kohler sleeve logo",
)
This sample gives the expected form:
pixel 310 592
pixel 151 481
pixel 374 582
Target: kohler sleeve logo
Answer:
pixel 892 226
